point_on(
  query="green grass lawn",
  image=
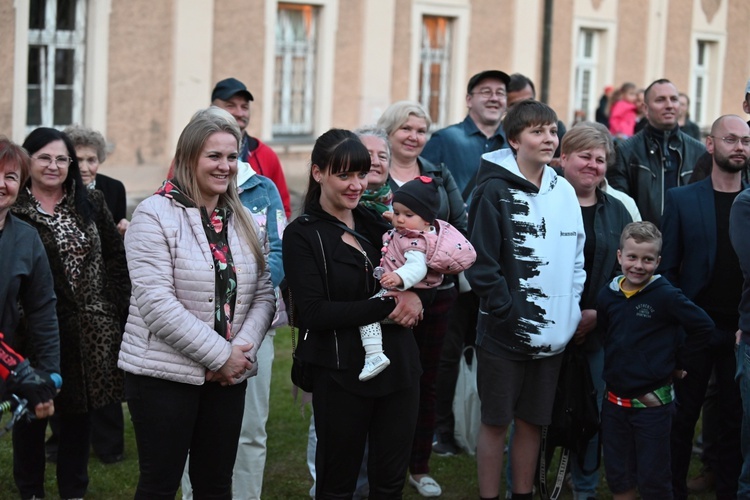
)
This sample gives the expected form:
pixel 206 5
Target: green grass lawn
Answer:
pixel 286 474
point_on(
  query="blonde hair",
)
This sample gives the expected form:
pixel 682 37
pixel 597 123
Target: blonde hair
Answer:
pixel 399 112
pixel 641 232
pixel 588 135
pixel 202 125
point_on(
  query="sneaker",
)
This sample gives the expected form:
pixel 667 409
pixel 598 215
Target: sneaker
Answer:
pixel 445 446
pixel 427 487
pixel 374 365
pixel 703 482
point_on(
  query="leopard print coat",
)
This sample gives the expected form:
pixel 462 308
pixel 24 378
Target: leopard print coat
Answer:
pixel 91 314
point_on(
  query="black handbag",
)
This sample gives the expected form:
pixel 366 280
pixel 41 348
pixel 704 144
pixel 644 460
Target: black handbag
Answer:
pixel 302 372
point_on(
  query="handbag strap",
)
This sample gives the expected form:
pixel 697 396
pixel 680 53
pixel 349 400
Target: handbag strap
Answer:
pixel 562 468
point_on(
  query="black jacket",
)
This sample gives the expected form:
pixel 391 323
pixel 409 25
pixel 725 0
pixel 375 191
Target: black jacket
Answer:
pixel 610 219
pixel 114 194
pixel 638 169
pixel 26 281
pixel 331 284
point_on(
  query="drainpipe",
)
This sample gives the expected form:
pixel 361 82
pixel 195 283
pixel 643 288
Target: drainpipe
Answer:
pixel 546 50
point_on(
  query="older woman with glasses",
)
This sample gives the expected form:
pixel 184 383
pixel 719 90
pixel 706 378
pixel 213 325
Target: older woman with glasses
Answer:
pixel 87 259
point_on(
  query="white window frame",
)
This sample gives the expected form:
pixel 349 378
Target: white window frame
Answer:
pixel 586 97
pixel 442 56
pixel 460 13
pixel 289 51
pixel 54 40
pixel 324 64
pixel 94 100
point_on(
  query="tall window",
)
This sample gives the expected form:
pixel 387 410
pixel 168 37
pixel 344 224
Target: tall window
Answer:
pixel 435 59
pixel 700 82
pixel 586 62
pixel 294 78
pixel 56 62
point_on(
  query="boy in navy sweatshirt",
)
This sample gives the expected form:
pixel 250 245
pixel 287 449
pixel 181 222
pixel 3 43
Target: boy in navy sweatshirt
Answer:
pixel 645 319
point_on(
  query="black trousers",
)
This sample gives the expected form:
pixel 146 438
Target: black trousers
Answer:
pixel 343 421
pixel 72 456
pixel 170 419
pixel 719 356
pixel 462 331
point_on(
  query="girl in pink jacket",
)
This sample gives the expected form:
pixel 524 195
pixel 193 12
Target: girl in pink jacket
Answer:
pixel 416 253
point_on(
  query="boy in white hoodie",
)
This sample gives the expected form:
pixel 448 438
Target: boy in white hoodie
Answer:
pixel 526 226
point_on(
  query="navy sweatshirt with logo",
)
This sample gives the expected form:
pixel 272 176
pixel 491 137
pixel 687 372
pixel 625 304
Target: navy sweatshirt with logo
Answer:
pixel 643 334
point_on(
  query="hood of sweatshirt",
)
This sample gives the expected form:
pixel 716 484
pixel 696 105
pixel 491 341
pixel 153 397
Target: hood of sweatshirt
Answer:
pixel 501 164
pixel 614 285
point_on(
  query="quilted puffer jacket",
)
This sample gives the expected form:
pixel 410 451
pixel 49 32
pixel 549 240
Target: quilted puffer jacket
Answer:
pixel 170 330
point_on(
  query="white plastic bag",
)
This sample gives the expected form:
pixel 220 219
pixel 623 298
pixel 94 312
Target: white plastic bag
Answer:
pixel 466 406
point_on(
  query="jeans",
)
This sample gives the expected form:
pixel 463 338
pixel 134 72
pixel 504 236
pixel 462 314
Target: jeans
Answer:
pixel 635 444
pixel 584 485
pixel 690 391
pixel 743 378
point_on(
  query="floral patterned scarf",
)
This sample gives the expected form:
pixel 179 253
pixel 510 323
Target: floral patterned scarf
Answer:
pixel 379 199
pixel 215 226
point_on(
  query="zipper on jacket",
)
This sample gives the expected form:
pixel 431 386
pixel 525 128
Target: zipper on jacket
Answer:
pixel 336 343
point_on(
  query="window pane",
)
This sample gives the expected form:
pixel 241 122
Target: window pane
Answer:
pixel 435 66
pixel 294 73
pixel 37 56
pixel 33 105
pixel 64 70
pixel 63 106
pixel 36 14
pixel 66 15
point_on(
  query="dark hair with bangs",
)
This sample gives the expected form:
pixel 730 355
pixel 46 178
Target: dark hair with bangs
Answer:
pixel 42 136
pixel 336 151
pixel 527 113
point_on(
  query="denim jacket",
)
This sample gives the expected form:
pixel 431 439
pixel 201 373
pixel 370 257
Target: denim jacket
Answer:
pixel 260 195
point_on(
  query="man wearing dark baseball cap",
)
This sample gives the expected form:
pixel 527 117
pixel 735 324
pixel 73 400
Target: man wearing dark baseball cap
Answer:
pixel 460 147
pixel 232 95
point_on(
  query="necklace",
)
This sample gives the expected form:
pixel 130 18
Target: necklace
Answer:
pixel 368 266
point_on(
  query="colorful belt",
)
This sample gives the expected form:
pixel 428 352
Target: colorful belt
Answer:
pixel 658 397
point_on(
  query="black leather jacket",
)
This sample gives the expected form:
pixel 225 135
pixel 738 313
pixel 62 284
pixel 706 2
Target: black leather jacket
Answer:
pixel 639 171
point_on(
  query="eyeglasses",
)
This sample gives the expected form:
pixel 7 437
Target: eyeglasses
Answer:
pixel 60 161
pixel 488 93
pixel 733 139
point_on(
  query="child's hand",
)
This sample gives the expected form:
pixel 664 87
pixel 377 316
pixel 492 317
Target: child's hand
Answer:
pixel 391 280
pixel 388 215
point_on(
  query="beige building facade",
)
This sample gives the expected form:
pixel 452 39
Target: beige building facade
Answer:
pixel 138 69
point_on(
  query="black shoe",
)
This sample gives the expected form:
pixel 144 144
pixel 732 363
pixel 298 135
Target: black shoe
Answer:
pixel 445 446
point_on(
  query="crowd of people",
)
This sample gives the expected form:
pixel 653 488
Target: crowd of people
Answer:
pixel 623 239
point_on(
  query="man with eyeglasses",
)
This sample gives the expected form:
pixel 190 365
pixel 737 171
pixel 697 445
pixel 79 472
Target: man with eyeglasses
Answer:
pixel 659 157
pixel 460 147
pixel 698 257
pixel 703 165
